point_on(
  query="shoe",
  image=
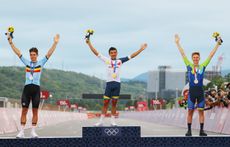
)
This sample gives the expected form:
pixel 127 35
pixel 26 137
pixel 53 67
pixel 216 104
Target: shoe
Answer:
pixel 112 121
pixel 34 134
pixel 21 135
pixel 99 124
pixel 202 133
pixel 189 133
pixel 113 124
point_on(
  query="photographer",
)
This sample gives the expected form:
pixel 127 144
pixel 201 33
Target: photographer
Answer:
pixel 220 97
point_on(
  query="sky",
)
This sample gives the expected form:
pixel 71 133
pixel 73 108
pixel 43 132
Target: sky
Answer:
pixel 124 24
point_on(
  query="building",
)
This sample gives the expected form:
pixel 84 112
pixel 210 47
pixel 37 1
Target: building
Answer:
pixel 167 82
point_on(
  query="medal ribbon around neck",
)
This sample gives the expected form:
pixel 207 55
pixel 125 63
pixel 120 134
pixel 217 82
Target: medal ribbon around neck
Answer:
pixel 196 70
pixel 114 66
pixel 32 68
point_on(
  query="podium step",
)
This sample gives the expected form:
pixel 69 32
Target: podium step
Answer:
pixel 118 131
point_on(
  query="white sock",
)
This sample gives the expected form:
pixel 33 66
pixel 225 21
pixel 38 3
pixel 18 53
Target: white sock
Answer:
pixel 112 119
pixel 22 128
pixel 33 128
pixel 102 117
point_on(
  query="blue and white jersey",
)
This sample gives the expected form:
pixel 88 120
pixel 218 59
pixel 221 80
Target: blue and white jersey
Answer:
pixel 33 70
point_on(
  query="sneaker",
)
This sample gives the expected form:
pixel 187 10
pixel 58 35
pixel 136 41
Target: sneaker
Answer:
pixel 99 124
pixel 189 133
pixel 34 134
pixel 113 124
pixel 20 134
pixel 202 133
pixel 112 121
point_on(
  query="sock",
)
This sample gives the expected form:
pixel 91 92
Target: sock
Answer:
pixel 112 119
pixel 189 126
pixel 102 117
pixel 201 126
pixel 33 128
pixel 22 127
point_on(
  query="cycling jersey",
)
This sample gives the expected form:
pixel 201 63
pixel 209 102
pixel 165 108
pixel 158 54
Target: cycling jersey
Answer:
pixel 33 70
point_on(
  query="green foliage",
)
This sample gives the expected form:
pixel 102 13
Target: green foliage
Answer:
pixel 62 85
pixel 217 81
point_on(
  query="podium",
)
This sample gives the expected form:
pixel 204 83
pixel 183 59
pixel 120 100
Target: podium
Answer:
pixel 118 131
pixel 118 136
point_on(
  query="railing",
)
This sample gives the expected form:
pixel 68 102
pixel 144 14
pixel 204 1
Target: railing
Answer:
pixel 10 118
pixel 216 120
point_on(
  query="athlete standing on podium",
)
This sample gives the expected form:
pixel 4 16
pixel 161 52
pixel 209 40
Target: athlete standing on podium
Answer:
pixel 195 76
pixel 31 91
pixel 113 85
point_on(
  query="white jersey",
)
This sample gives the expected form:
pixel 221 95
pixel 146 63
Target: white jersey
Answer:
pixel 113 67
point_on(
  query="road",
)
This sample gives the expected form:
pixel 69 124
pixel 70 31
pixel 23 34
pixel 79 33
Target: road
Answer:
pixel 74 129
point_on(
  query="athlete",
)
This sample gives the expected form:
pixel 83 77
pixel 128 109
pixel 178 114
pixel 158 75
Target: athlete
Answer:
pixel 195 75
pixel 113 85
pixel 31 91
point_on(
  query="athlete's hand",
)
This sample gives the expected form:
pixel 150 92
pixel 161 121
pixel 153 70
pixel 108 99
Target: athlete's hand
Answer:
pixel 56 38
pixel 9 38
pixel 177 38
pixel 219 40
pixel 144 46
pixel 87 41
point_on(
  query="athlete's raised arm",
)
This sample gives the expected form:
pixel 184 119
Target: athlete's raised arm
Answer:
pixel 91 47
pixel 143 47
pixel 177 41
pixel 53 47
pixel 218 43
pixel 14 48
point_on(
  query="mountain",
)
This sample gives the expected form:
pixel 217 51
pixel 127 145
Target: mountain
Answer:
pixel 144 76
pixel 140 78
pixel 60 83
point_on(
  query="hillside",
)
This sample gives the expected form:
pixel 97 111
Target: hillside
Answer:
pixel 62 84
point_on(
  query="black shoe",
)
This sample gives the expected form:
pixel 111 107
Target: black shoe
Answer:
pixel 189 133
pixel 202 133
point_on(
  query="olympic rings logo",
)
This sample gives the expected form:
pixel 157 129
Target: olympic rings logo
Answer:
pixel 111 131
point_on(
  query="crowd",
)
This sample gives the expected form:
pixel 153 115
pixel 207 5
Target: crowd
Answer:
pixel 213 97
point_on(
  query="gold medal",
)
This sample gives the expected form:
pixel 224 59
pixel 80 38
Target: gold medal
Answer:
pixel 114 75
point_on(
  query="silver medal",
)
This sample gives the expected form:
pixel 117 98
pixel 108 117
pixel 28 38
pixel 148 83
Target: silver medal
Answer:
pixel 196 71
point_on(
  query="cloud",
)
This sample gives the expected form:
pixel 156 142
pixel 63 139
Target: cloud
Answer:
pixel 123 24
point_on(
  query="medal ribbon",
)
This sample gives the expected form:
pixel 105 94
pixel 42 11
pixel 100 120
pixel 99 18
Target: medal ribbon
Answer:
pixel 195 72
pixel 114 66
pixel 32 68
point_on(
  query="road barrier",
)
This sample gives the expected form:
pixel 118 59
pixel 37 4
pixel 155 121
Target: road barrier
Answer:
pixel 10 118
pixel 216 120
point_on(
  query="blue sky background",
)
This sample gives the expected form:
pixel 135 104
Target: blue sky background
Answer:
pixel 124 24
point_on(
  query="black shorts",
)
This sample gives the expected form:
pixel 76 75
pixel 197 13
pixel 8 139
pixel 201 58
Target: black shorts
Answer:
pixel 31 92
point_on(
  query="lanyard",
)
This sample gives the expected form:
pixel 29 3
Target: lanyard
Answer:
pixel 114 66
pixel 196 70
pixel 32 68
